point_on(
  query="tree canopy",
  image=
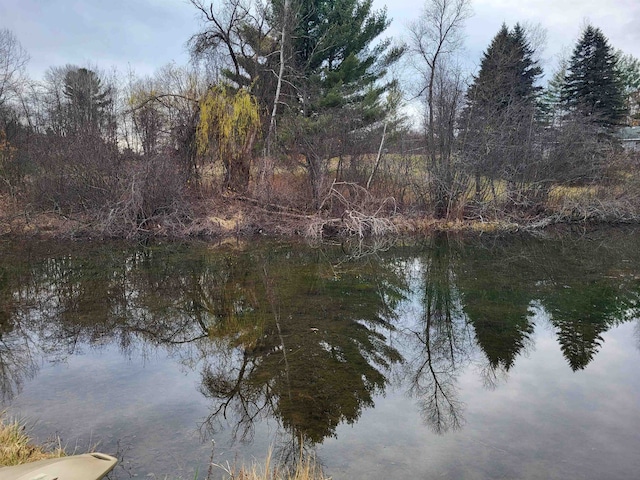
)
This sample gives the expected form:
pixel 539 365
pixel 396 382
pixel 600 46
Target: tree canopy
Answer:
pixel 508 74
pixel 592 84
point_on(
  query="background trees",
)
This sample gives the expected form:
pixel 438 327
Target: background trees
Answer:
pixel 332 88
pixel 77 103
pixel 629 72
pixel 87 99
pixel 295 104
pixel 147 117
pixel 592 83
pixel 13 59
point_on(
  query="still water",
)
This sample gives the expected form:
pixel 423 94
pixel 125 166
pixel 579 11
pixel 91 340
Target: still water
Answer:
pixel 450 358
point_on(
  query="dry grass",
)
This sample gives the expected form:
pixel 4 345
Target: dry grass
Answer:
pixel 305 469
pixel 16 446
pixel 559 194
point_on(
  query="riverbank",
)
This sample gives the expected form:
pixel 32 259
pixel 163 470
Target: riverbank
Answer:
pixel 242 217
pixel 17 447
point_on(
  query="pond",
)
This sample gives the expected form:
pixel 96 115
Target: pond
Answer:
pixel 477 358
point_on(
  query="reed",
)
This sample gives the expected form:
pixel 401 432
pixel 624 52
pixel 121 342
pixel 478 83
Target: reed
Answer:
pixel 16 446
pixel 305 469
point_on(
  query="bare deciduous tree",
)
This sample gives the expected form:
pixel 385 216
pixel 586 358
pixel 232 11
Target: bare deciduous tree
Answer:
pixel 13 59
pixel 222 32
pixel 435 37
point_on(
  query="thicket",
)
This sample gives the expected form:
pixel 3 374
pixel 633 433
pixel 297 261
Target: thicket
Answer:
pixel 287 110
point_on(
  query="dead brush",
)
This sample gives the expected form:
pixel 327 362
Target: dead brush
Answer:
pixel 150 198
pixel 353 212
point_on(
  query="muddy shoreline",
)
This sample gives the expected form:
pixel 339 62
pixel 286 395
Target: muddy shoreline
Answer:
pixel 236 219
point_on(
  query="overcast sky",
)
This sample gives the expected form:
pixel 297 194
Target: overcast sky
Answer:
pixel 143 35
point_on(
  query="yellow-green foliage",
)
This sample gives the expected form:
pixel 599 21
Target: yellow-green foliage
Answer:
pixel 16 446
pixel 140 96
pixel 228 121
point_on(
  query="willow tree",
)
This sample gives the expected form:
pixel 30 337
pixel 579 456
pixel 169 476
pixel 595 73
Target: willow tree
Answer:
pixel 331 82
pixel 227 130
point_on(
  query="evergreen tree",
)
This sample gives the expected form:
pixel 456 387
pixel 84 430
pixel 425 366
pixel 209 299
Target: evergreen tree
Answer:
pixel 629 70
pixel 507 75
pixel 592 84
pixel 87 99
pixel 551 98
pixel 337 89
pixel 526 70
pixel 502 106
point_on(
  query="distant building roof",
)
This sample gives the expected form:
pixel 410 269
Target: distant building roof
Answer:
pixel 629 133
pixel 630 138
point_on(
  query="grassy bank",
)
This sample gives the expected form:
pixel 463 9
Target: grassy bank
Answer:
pixel 236 218
pixel 16 447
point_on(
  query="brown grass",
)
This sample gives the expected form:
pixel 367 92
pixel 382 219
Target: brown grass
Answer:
pixel 16 447
pixel 305 469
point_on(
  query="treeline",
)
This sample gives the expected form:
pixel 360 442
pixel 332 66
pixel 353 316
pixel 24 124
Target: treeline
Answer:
pixel 294 105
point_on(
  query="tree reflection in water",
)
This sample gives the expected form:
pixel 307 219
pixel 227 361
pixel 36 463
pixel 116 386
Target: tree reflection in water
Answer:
pixel 310 336
pixel 322 351
pixel 441 338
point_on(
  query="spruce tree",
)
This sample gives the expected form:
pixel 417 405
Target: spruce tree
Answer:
pixel 502 106
pixel 526 69
pixel 507 76
pixel 551 98
pixel 592 85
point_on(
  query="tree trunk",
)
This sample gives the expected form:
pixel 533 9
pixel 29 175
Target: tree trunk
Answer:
pixel 276 99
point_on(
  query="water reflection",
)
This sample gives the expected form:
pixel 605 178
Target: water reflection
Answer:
pixel 309 348
pixel 440 337
pixel 311 336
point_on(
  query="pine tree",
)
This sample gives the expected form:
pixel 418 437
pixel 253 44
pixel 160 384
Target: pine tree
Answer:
pixel 508 74
pixel 87 99
pixel 502 106
pixel 336 86
pixel 551 98
pixel 592 84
